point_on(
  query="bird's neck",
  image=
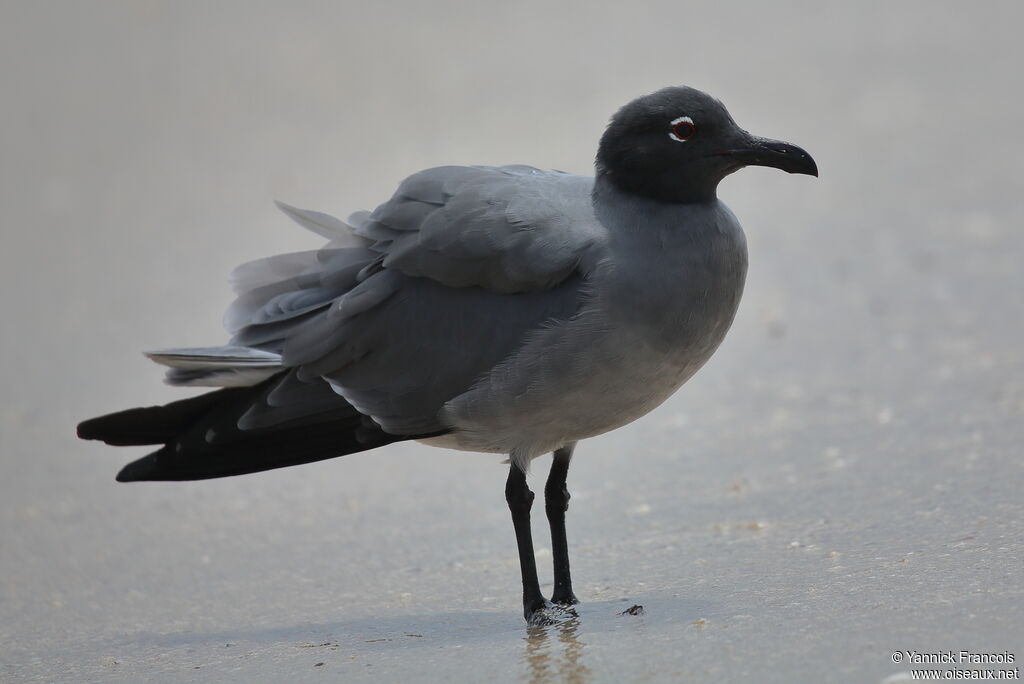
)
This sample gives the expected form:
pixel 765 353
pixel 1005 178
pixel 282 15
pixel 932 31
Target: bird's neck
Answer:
pixel 667 188
pixel 609 195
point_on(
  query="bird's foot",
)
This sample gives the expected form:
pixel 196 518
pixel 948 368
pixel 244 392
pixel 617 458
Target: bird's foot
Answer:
pixel 546 613
pixel 536 611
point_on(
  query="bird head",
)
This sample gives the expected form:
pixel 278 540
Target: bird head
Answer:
pixel 677 144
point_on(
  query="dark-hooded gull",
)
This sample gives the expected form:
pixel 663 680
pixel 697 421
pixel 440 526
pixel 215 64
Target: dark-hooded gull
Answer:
pixel 506 310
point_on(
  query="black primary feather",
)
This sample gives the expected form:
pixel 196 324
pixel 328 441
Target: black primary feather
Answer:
pixel 202 439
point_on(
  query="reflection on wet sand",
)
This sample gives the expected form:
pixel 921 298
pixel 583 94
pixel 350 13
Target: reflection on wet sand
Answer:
pixel 556 661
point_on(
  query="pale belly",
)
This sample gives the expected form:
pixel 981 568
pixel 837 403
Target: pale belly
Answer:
pixel 580 379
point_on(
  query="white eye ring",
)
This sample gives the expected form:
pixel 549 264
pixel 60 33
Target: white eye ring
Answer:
pixel 675 122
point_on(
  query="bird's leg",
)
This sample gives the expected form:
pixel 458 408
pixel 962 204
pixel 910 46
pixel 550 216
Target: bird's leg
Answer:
pixel 520 501
pixel 556 503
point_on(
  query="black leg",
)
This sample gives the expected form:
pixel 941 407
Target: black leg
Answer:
pixel 520 501
pixel 556 503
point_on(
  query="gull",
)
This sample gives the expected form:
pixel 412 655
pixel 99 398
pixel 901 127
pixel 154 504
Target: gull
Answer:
pixel 503 310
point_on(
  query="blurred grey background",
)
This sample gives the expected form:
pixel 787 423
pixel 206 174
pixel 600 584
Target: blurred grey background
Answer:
pixel 842 481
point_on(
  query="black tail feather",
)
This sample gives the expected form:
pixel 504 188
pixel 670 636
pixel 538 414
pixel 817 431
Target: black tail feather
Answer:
pixel 202 439
pixel 256 453
pixel 151 424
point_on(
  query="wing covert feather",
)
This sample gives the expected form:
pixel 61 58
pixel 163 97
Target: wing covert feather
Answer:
pixel 508 229
pixel 454 271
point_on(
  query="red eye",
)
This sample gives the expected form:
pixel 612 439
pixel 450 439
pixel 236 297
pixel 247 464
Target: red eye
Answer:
pixel 682 129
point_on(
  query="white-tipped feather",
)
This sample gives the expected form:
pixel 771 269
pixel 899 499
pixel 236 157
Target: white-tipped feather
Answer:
pixel 228 366
pixel 202 358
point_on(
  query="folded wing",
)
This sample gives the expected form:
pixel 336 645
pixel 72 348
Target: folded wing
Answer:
pixel 406 307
